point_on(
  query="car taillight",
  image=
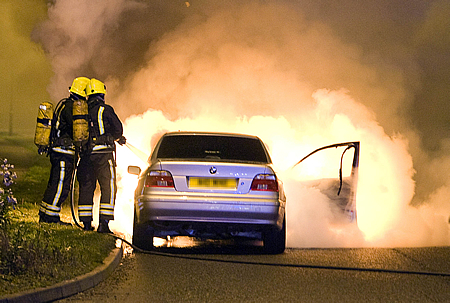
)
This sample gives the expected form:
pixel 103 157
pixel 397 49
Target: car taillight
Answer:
pixel 265 182
pixel 159 178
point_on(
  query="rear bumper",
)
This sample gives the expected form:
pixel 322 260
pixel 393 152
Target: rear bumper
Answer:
pixel 263 210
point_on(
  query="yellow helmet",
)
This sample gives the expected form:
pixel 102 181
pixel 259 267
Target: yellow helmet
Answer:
pixel 79 86
pixel 95 87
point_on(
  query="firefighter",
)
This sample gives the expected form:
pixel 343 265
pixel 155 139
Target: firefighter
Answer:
pixel 98 164
pixel 61 151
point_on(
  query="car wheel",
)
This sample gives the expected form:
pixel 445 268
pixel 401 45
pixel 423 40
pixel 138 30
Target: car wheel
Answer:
pixel 142 235
pixel 275 240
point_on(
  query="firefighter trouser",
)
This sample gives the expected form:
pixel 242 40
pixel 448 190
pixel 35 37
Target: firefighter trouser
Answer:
pixel 58 186
pixel 95 168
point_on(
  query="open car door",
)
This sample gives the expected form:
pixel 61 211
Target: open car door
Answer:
pixel 341 189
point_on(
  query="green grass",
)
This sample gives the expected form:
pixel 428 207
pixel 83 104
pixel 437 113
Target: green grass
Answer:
pixel 21 152
pixel 34 254
pixel 39 254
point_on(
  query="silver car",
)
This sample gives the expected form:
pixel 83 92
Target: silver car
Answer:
pixel 209 186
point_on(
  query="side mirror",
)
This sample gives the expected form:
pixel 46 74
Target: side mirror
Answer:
pixel 134 170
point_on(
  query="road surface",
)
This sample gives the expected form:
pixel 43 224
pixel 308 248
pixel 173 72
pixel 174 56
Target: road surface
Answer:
pixel 226 272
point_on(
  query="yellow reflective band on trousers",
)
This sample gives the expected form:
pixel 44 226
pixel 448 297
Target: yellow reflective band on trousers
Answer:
pixel 62 174
pixel 49 209
pixel 85 210
pixel 101 127
pixel 108 209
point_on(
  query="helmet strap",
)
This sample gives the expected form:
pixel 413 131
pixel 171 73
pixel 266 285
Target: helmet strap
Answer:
pixel 100 97
pixel 76 96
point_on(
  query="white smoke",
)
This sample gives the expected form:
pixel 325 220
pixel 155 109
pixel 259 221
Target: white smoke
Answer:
pixel 264 68
pixel 73 36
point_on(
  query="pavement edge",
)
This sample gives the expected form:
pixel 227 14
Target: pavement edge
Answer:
pixel 69 287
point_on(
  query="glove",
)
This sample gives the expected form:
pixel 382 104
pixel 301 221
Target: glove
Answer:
pixel 122 140
pixel 42 149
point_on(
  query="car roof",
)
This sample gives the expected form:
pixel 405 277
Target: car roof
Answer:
pixel 204 133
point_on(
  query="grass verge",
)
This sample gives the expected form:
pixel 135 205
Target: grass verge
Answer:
pixel 34 254
pixel 37 254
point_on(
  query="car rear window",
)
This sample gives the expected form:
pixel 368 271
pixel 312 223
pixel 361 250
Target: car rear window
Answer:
pixel 213 148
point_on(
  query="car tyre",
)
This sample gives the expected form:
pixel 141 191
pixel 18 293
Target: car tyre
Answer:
pixel 275 240
pixel 142 235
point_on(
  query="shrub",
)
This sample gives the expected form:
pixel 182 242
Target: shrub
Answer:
pixel 7 200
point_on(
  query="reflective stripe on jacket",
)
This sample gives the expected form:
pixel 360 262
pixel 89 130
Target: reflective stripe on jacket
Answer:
pixel 105 126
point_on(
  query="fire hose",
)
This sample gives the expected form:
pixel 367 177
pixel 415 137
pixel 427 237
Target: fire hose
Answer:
pixel 72 190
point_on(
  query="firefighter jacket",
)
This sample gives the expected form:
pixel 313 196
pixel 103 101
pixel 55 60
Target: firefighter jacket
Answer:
pixel 62 130
pixel 104 126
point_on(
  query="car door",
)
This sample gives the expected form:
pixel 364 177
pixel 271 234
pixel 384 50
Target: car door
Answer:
pixel 335 174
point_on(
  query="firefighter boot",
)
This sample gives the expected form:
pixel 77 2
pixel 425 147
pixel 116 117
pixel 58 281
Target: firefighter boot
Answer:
pixel 87 225
pixel 43 218
pixel 103 227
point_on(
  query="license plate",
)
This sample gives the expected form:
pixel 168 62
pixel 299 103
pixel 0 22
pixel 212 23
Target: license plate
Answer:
pixel 212 183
